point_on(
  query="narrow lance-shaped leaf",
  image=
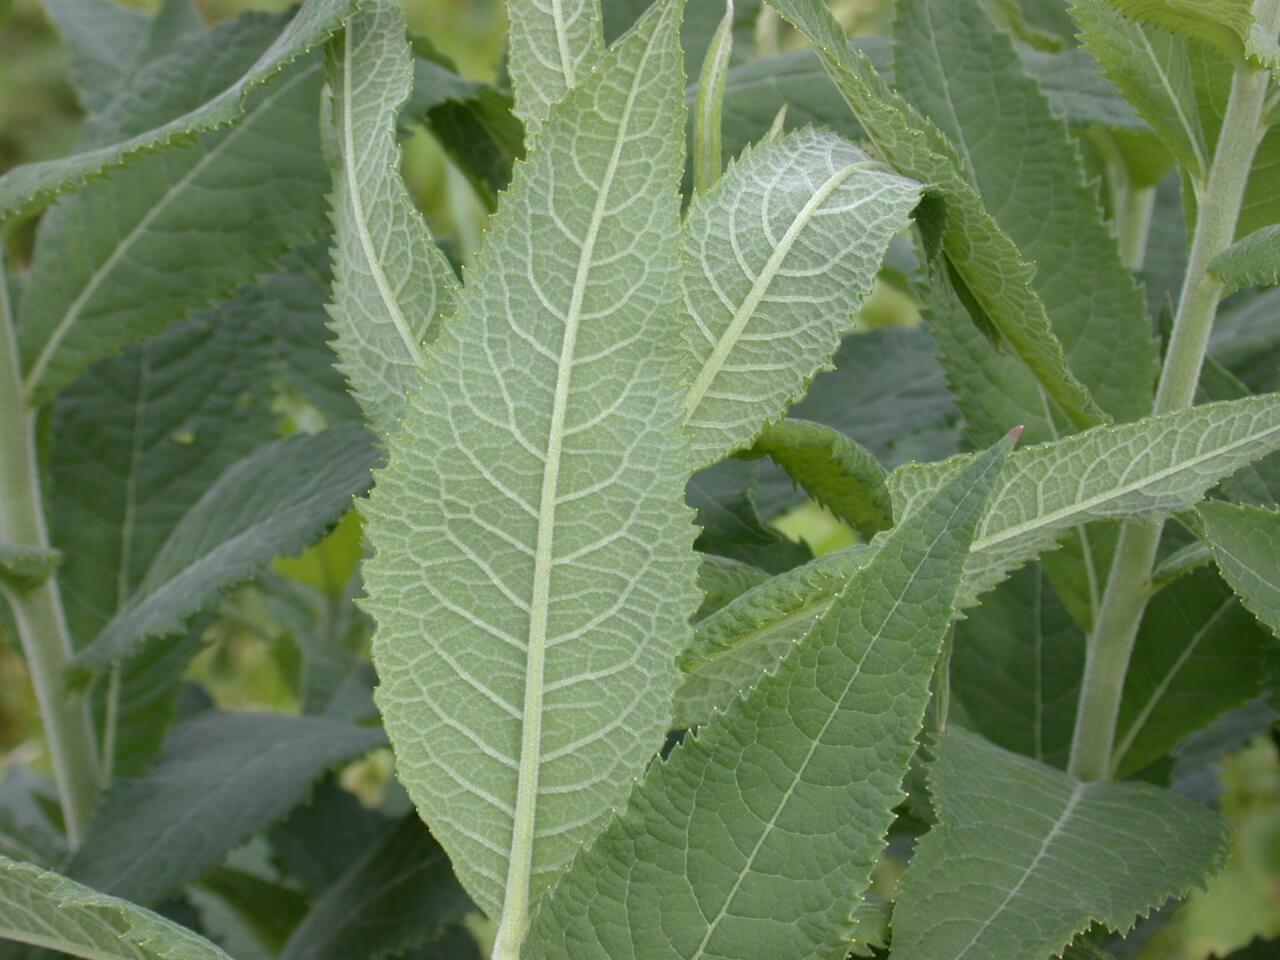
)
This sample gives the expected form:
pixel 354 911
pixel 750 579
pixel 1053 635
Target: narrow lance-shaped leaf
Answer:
pixel 1025 857
pixel 222 777
pixel 1251 262
pixel 553 45
pixel 707 162
pixel 278 500
pixel 1246 545
pixel 757 836
pixel 29 188
pixel 391 282
pixel 982 253
pixel 533 575
pixel 777 258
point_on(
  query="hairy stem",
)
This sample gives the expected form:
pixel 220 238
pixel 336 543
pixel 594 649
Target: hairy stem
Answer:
pixel 37 611
pixel 1129 586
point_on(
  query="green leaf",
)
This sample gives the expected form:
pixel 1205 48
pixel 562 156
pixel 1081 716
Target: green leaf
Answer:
pixel 777 258
pixel 1251 262
pixel 1140 471
pixel 397 897
pixel 726 498
pixel 1151 67
pixel 27 189
pixel 1016 663
pixel 756 837
pixel 722 580
pixel 1257 949
pixel 123 258
pixel 391 282
pixel 27 566
pixel 222 778
pixel 326 836
pixel 747 638
pixel 835 471
pixel 533 577
pixel 965 75
pixel 978 248
pixel 27 827
pixel 1246 542
pixel 267 911
pixel 276 501
pixel 1079 92
pixel 1025 857
pixel 701 20
pixel 1230 25
pixel 707 160
pixel 1246 339
pixel 48 910
pixel 1198 655
pixel 552 48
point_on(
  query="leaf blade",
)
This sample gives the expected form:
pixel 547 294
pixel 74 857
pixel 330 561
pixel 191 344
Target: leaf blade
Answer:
pixel 1245 541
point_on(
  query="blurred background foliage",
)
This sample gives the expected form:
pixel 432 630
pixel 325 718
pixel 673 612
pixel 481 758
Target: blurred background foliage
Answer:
pixel 250 662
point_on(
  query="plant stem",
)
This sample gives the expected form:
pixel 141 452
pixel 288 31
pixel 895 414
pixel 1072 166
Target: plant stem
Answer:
pixel 1129 586
pixel 37 611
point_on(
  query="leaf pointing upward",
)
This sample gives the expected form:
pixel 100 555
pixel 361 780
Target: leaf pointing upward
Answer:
pixel 533 576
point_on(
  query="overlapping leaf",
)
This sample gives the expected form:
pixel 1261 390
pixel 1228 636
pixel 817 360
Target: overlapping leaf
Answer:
pixel 755 837
pixel 1251 262
pixel 777 258
pixel 1234 26
pixel 533 576
pixel 1246 545
pixel 554 44
pixel 391 282
pixel 1025 857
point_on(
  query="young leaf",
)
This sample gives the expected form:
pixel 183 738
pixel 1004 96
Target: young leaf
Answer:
pixel 777 258
pixel 391 282
pixel 1139 471
pixel 707 161
pixel 26 565
pixel 1251 262
pixel 965 75
pixel 748 637
pixel 553 45
pixel 27 189
pixel 1232 26
pixel 1151 67
pixel 722 580
pixel 50 911
pixel 533 577
pixel 1025 857
pixel 755 837
pixel 976 246
pixel 1246 543
pixel 123 258
pixel 222 777
pixel 838 473
pixel 1198 655
pixel 276 501
pixel 395 898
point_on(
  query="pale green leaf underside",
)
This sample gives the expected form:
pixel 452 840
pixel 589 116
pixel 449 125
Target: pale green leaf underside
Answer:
pixel 391 282
pixel 278 500
pixel 981 251
pixel 1025 857
pixel 27 189
pixel 221 778
pixel 1246 545
pixel 1230 25
pixel 1251 262
pixel 1139 471
pixel 533 575
pixel 553 45
pixel 778 256
pixel 757 837
pixel 834 470
pixel 48 910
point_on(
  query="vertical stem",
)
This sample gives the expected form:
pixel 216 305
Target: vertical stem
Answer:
pixel 1128 588
pixel 37 611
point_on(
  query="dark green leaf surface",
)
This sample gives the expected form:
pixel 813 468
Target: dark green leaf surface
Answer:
pixel 1246 545
pixel 1025 857
pixel 757 836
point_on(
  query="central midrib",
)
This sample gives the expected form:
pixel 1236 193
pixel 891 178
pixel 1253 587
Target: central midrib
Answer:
pixel 515 907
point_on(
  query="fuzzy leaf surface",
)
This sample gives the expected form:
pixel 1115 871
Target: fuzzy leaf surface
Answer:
pixel 1230 25
pixel 757 836
pixel 1251 262
pixel 391 282
pixel 124 257
pixel 221 778
pixel 533 575
pixel 981 251
pixel 1025 857
pixel 1138 471
pixel 778 256
pixel 48 910
pixel 1246 545
pixel 553 45
pixel 27 189
pixel 276 501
